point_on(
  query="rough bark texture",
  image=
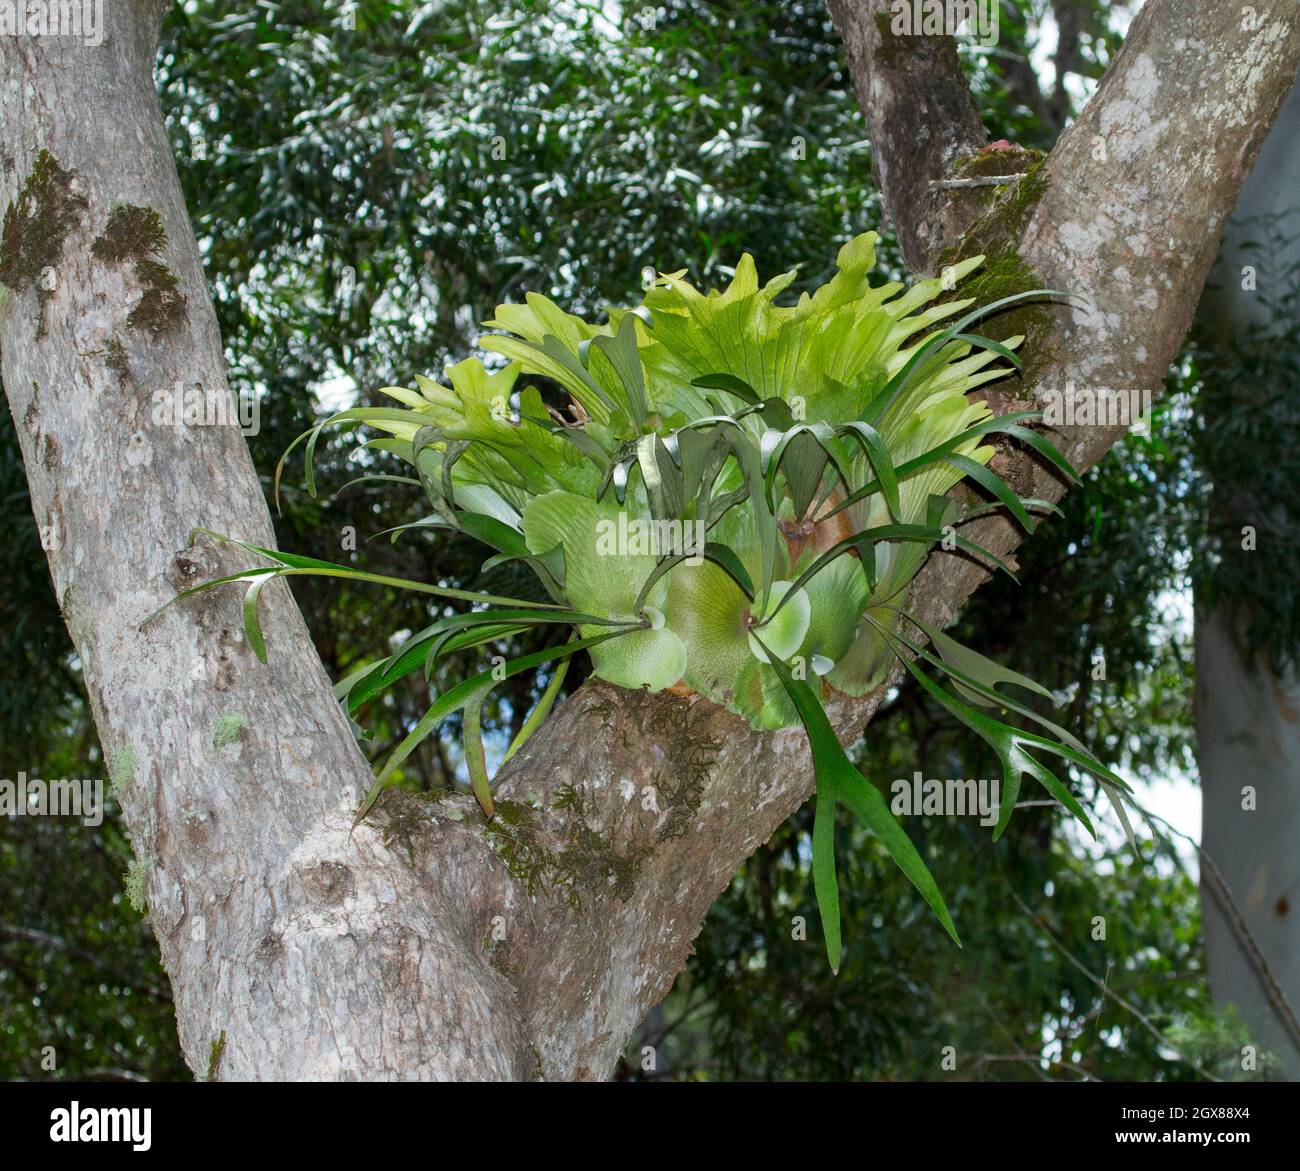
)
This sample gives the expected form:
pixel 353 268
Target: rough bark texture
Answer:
pixel 920 116
pixel 425 945
pixel 316 954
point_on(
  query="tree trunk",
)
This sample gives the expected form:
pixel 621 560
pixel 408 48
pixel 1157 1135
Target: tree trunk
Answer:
pixel 1247 714
pixel 920 116
pixel 315 955
pixel 425 944
pixel 1248 750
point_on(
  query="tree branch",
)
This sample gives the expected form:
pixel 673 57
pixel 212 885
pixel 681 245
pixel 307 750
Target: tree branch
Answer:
pixel 920 116
pixel 1133 201
pixel 426 945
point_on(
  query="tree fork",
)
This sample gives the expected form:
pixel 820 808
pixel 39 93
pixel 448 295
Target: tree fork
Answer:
pixel 424 945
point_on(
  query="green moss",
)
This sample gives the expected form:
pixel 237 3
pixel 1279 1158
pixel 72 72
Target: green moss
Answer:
pixel 37 223
pixel 1007 208
pixel 408 817
pixel 133 233
pixel 603 708
pixel 498 957
pixel 227 729
pixel 135 880
pixel 997 233
pixel 116 360
pixel 588 859
pixel 215 1054
pixel 1014 160
pixel 582 860
pixel 1004 274
pixel 162 304
pixel 515 834
pixel 136 235
pixel 692 755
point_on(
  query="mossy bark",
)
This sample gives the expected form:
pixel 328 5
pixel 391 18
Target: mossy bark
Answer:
pixel 349 954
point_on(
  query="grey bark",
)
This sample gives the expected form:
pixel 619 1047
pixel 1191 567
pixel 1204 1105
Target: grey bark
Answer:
pixel 1248 714
pixel 425 945
pixel 315 954
pixel 920 116
pixel 1248 752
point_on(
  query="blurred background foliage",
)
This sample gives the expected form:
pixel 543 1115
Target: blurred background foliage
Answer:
pixel 367 182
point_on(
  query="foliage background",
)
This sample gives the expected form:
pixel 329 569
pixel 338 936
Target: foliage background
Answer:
pixel 367 182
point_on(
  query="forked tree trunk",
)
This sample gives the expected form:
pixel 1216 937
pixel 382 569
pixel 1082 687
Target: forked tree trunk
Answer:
pixel 423 945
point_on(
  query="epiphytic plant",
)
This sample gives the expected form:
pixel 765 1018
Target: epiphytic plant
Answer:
pixel 735 505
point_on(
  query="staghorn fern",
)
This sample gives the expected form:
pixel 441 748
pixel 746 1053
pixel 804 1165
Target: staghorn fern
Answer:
pixel 736 506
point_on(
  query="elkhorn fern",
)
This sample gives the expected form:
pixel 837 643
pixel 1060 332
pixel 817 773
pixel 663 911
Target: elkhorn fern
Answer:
pixel 735 505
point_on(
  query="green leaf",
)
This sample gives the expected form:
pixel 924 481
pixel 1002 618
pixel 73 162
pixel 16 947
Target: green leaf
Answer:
pixel 470 690
pixel 253 627
pixel 538 715
pixel 294 565
pixel 1010 745
pixel 882 463
pixel 625 357
pixel 730 383
pixel 719 554
pixel 838 782
pixel 801 453
pixel 1044 446
pixel 987 343
pixel 938 454
pixel 896 385
pixel 778 627
pixel 920 534
pixel 826 885
pixel 413 653
pixel 475 759
pixel 965 661
pixel 995 486
pixel 662 478
pixel 577 380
